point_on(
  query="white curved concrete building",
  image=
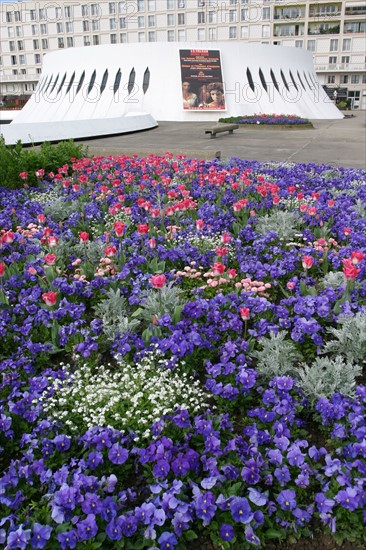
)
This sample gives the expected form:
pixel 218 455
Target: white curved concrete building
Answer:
pixel 104 90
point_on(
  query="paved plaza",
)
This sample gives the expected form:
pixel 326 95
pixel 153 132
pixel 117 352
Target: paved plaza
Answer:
pixel 336 142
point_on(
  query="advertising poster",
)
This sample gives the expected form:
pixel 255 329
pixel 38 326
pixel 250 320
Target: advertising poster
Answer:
pixel 202 80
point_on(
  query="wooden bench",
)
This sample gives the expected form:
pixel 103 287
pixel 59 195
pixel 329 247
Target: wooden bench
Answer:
pixel 221 128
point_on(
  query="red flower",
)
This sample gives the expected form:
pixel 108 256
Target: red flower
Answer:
pixel 244 313
pixel 158 281
pixel 8 237
pixel 307 261
pixel 2 269
pixel 349 270
pixel 50 259
pixel 49 298
pixel 110 250
pixel 142 229
pixel 218 268
pixel 357 257
pixel 84 236
pixel 23 175
pixel 119 228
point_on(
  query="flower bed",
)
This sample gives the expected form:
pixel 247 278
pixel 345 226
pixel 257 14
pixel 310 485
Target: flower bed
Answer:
pixel 182 357
pixel 271 120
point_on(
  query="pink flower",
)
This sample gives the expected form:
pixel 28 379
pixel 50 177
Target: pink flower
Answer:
pixel 142 229
pixel 200 224
pixel 221 251
pixel 2 269
pixel 84 236
pixel 331 203
pixel 347 231
pixel 119 228
pixel 290 285
pixel 307 261
pixel 8 237
pixel 349 270
pixel 31 270
pixel 39 173
pixel 218 268
pixel 49 298
pixel 110 250
pixel 244 313
pixel 158 281
pixel 41 218
pixel 225 238
pixel 231 273
pixel 50 259
pixel 52 240
pixel 357 257
pixel 23 175
pixel 152 243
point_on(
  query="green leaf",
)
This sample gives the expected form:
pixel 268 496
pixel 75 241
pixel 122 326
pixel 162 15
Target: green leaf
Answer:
pixel 177 313
pixel 190 535
pixel 274 534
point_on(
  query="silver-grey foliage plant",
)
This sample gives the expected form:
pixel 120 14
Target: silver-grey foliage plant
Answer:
pixel 159 301
pixel 112 310
pixel 277 357
pixel 284 223
pixel 349 338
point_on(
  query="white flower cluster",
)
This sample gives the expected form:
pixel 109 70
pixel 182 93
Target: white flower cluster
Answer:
pixel 44 197
pixel 130 398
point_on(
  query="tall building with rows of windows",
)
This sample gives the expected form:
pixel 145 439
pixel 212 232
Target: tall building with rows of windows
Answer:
pixel 334 31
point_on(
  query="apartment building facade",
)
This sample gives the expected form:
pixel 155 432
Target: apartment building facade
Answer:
pixel 334 31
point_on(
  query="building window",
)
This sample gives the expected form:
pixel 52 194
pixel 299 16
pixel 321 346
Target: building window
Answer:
pixel 299 43
pixel 123 37
pixel 344 78
pixel 170 19
pixel 36 44
pixel 232 32
pixel 232 16
pixel 151 36
pixel 94 9
pixel 334 45
pixel 59 27
pixel 34 30
pixel 58 13
pixel 42 14
pixel 86 40
pixel 44 43
pixel 38 70
pixel 181 19
pixel 171 36
pixel 181 4
pixel 332 60
pixel 364 79
pixel 112 24
pixel 265 31
pixel 60 42
pixel 96 40
pixel 70 42
pixel 141 21
pixel 181 35
pixel 201 35
pixel 33 15
pixel 20 45
pixel 37 58
pixel 44 28
pixel 212 33
pixel 331 79
pixel 12 46
pixel 22 59
pixel 122 23
pixel 266 13
pixel 212 16
pixel 151 5
pixel 200 17
pixel 19 31
pixel 346 46
pixel 140 5
pixel 244 14
pixel 13 59
pixel 112 8
pixel 68 12
pixel 141 37
pixel 113 39
pixel 345 58
pixel 69 26
pixel 95 25
pixel 151 22
pixel 311 45
pixel 85 10
pixel 170 4
pixel 355 78
pixel 23 71
pixel 244 32
pixel 85 25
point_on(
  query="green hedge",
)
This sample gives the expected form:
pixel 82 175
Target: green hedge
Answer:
pixel 15 159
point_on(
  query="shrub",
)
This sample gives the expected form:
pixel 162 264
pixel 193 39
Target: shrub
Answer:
pixel 15 159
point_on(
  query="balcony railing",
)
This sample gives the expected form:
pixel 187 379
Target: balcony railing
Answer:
pixel 19 78
pixel 349 67
pixel 324 30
